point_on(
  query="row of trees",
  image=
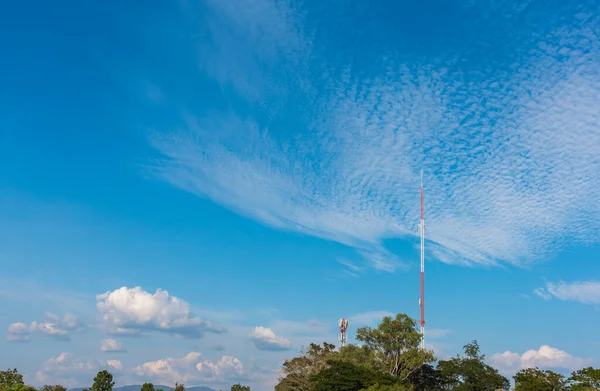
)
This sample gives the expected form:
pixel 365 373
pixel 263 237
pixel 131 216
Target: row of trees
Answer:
pixel 390 359
pixel 12 380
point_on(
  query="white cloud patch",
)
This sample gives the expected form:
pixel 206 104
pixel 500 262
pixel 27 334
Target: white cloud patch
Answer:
pixel 171 370
pixel 587 292
pixel 111 345
pixel 545 357
pixel 192 368
pixel 68 370
pixel 227 368
pixel 265 339
pixel 54 327
pixel 133 310
pixel 497 146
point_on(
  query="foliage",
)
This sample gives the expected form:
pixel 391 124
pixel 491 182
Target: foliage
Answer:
pixel 299 370
pixel 359 355
pixel 585 379
pixel 426 378
pixel 395 345
pixel 20 387
pixel 393 387
pixel 470 372
pixel 346 376
pixel 10 378
pixel 179 387
pixel 535 379
pixel 103 381
pixel 147 387
pixel 239 387
pixel 55 387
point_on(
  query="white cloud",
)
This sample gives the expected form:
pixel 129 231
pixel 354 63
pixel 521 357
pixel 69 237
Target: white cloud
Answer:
pixel 68 370
pixel 227 368
pixel 133 310
pixel 171 370
pixel 111 345
pixel 545 357
pixel 192 368
pixel 506 154
pixel 53 327
pixel 265 339
pixel 587 292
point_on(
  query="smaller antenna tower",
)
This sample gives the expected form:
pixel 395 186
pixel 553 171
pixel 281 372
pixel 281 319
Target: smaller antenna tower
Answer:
pixel 343 323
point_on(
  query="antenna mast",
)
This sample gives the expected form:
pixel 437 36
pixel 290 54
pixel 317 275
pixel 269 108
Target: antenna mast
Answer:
pixel 343 323
pixel 422 232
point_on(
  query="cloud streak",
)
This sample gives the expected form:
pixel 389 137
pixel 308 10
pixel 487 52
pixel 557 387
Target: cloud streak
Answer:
pixel 510 156
pixel 587 292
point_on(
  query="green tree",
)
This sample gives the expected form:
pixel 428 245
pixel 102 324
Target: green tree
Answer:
pixel 470 373
pixel 426 378
pixel 55 387
pixel 147 387
pixel 586 379
pixel 299 370
pixel 10 378
pixel 103 381
pixel 395 345
pixel 359 355
pixel 393 387
pixel 346 376
pixel 535 379
pixel 239 387
pixel 21 387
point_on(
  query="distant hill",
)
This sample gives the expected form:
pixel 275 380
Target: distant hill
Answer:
pixel 137 387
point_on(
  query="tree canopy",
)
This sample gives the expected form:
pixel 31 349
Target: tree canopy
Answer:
pixel 103 381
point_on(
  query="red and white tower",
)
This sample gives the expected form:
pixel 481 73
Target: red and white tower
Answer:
pixel 422 232
pixel 343 323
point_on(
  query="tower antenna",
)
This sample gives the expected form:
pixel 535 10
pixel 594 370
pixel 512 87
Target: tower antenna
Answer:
pixel 343 323
pixel 422 232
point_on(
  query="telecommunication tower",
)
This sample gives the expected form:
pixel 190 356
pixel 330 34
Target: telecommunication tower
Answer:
pixel 343 323
pixel 422 232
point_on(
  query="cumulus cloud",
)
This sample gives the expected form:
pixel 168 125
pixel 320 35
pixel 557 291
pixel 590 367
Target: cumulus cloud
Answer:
pixel 54 327
pixel 192 368
pixel 511 142
pixel 587 292
pixel 227 368
pixel 111 345
pixel 545 357
pixel 127 311
pixel 68 370
pixel 265 339
pixel 171 370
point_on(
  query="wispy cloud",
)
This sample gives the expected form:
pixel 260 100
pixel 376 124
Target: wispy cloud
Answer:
pixel 510 156
pixel 587 292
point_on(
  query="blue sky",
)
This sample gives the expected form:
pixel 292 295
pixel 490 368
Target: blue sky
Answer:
pixel 191 192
